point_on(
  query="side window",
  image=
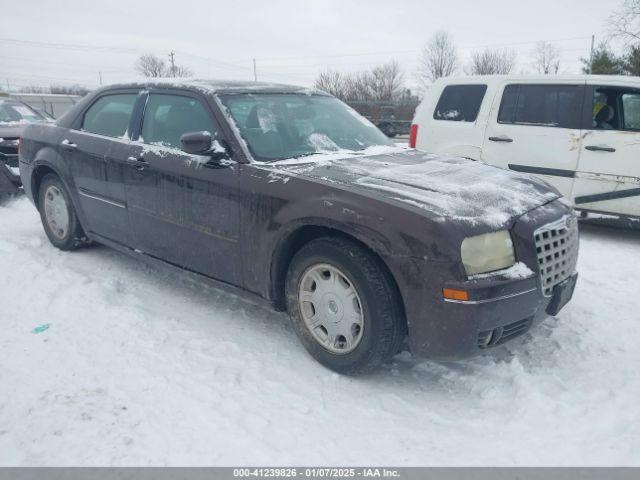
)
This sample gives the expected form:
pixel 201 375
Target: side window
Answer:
pixel 541 105
pixel 631 111
pixel 616 108
pixel 460 103
pixel 168 117
pixel 109 115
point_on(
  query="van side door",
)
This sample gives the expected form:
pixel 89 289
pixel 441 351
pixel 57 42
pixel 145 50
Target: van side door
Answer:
pixel 535 128
pixel 608 178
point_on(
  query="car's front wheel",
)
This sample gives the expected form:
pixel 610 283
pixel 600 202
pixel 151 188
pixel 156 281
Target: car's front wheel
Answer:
pixel 58 215
pixel 344 305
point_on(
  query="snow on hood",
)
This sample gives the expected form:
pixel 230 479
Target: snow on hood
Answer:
pixel 12 129
pixel 446 187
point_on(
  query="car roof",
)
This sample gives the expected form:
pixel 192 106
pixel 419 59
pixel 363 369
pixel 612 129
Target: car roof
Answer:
pixel 216 86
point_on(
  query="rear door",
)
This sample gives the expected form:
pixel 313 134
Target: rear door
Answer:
pixel 535 128
pixel 98 180
pixel 183 208
pixel 455 126
pixel 608 178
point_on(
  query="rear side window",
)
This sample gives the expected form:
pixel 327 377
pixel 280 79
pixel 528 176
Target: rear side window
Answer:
pixel 168 117
pixel 631 110
pixel 110 115
pixel 542 105
pixel 460 103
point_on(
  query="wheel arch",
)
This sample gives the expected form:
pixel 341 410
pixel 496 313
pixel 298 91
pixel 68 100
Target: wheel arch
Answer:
pixel 294 240
pixel 39 172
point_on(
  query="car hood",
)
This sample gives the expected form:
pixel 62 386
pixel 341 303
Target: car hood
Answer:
pixel 443 187
pixel 11 129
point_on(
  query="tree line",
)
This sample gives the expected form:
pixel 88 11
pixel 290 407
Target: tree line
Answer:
pixel 439 58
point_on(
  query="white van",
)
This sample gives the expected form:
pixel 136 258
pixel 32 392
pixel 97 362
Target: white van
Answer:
pixel 580 133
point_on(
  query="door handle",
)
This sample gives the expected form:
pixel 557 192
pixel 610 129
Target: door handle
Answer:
pixel 598 148
pixel 138 162
pixel 501 139
pixel 67 145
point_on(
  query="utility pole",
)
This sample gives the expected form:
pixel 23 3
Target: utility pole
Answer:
pixel 593 41
pixel 172 59
pixel 255 71
pixel 8 86
pixel 100 76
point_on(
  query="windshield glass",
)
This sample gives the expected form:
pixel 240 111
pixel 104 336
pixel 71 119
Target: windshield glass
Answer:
pixel 281 126
pixel 16 112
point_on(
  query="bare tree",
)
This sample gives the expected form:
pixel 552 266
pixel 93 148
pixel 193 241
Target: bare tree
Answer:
pixel 69 89
pixel 382 83
pixel 359 86
pixel 546 58
pixel 332 82
pixel 492 62
pixel 182 71
pixel 386 81
pixel 439 58
pixel 150 65
pixel 625 22
pixel 34 89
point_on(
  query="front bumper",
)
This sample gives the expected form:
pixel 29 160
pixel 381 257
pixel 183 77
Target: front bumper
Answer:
pixel 499 308
pixel 9 173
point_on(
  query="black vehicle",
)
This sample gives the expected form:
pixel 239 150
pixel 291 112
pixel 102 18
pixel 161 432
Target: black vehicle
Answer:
pixel 14 117
pixel 288 194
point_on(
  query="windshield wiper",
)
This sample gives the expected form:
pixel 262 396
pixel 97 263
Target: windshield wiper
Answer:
pixel 296 156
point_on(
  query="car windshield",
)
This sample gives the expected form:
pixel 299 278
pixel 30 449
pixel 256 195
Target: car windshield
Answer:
pixel 282 126
pixel 12 112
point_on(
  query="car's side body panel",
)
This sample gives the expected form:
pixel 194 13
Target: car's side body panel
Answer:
pixel 237 221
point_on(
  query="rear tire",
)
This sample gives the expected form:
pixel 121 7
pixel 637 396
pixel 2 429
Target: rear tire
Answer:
pixel 354 322
pixel 58 215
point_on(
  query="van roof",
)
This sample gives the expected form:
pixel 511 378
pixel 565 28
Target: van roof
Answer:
pixel 541 78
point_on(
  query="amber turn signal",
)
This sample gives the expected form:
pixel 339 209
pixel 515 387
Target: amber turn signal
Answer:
pixel 453 294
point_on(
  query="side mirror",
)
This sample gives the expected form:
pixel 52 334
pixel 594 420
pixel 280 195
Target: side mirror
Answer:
pixel 196 143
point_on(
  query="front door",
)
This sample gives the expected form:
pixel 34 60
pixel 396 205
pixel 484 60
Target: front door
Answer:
pixel 535 128
pixel 98 180
pixel 183 208
pixel 608 178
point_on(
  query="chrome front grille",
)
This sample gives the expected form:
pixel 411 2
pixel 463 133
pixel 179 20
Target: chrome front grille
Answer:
pixel 557 251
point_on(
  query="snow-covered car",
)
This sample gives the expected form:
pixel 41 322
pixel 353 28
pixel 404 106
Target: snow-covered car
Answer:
pixel 290 195
pixel 14 116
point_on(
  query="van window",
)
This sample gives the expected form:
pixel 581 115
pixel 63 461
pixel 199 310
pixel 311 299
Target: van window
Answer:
pixel 541 105
pixel 109 115
pixel 616 108
pixel 631 110
pixel 460 103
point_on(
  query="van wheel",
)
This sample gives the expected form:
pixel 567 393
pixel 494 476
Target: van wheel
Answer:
pixel 344 306
pixel 58 215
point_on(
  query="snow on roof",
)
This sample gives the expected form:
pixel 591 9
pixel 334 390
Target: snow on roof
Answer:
pixel 217 86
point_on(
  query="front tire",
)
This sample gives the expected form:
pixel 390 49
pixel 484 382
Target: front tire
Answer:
pixel 58 215
pixel 344 306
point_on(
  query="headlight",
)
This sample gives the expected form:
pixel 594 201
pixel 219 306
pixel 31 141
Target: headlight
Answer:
pixel 488 252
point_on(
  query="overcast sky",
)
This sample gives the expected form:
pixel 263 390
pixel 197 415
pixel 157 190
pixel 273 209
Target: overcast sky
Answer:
pixel 71 41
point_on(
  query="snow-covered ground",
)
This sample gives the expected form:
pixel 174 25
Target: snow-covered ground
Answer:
pixel 144 366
